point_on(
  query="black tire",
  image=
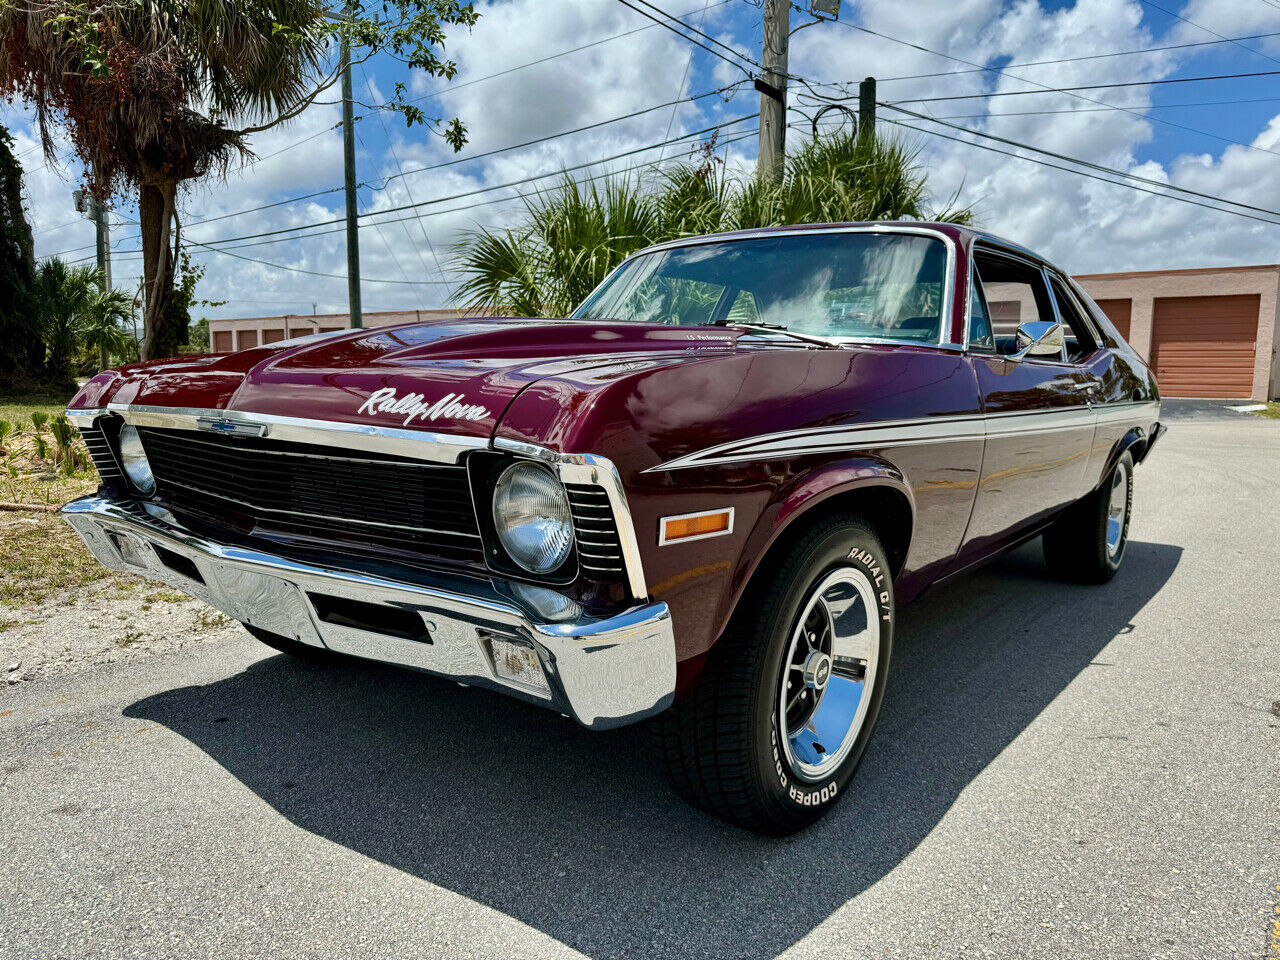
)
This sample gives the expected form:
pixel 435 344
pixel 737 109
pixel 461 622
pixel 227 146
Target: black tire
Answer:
pixel 295 648
pixel 720 743
pixel 1076 546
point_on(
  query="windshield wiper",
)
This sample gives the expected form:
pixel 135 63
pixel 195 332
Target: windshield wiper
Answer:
pixel 779 328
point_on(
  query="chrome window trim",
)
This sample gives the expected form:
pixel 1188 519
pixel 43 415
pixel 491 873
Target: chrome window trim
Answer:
pixel 1057 316
pixel 587 468
pixel 949 279
pixel 1084 311
pixel 973 284
pixel 366 437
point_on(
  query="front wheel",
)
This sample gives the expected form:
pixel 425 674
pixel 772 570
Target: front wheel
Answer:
pixel 1086 544
pixel 770 737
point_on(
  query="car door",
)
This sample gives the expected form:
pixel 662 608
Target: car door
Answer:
pixel 1038 421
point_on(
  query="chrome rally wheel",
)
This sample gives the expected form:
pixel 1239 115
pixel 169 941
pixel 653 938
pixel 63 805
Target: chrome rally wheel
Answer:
pixel 771 734
pixel 828 672
pixel 1118 508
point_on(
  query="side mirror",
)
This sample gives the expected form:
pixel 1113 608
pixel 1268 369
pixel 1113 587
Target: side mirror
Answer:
pixel 1039 338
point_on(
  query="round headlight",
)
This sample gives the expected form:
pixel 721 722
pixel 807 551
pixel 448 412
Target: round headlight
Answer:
pixel 134 460
pixel 531 514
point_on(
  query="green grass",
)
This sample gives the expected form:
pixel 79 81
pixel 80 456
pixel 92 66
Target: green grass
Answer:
pixel 18 410
pixel 1272 412
pixel 43 558
pixel 25 475
pixel 39 554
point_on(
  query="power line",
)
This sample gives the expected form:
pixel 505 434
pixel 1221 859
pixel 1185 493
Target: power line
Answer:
pixel 216 244
pixel 1067 90
pixel 684 78
pixel 706 36
pixel 580 166
pixel 383 237
pixel 563 133
pixel 667 23
pixel 1084 163
pixel 1106 109
pixel 1212 33
pixel 1096 56
pixel 468 159
pixel 1080 173
pixel 500 186
pixel 563 53
pixel 396 157
pixel 310 273
pixel 1091 86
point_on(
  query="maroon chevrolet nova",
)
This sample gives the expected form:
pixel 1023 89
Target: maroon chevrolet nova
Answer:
pixel 701 499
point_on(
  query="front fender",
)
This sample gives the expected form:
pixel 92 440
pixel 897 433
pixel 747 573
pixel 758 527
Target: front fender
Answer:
pixel 804 499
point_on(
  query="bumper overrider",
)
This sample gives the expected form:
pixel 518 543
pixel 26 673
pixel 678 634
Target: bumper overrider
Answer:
pixel 527 641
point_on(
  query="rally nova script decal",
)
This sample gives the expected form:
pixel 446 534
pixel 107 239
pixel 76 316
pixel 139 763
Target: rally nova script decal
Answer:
pixel 414 406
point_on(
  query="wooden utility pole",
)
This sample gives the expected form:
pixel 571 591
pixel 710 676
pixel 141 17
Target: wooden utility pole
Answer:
pixel 103 231
pixel 773 89
pixel 349 181
pixel 867 108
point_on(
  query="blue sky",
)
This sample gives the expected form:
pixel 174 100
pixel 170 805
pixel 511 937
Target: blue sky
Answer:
pixel 1217 146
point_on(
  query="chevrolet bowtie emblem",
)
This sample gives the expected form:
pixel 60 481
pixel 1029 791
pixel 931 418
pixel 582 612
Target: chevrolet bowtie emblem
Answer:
pixel 239 428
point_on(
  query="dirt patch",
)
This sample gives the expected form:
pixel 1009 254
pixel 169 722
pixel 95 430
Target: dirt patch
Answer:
pixel 103 622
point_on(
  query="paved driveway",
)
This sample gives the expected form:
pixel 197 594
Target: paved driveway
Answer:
pixel 1059 772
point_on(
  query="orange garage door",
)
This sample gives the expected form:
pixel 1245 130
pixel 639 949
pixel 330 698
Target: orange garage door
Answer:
pixel 1118 312
pixel 1203 346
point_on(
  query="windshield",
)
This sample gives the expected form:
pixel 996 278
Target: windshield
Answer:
pixel 859 285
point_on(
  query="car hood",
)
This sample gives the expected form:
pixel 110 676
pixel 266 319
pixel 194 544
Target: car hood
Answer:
pixel 453 377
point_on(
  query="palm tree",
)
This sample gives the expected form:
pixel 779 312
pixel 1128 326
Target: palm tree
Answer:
pixel 154 93
pixel 60 298
pixel 571 236
pixel 102 329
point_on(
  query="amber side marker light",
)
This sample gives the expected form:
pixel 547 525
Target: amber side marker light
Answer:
pixel 695 526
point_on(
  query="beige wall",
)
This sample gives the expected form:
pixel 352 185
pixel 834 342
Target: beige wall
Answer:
pixel 1143 289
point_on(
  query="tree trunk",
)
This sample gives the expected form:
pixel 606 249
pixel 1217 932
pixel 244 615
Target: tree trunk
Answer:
pixel 161 332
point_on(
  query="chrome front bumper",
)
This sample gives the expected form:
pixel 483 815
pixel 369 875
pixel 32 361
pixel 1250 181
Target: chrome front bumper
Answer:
pixel 603 672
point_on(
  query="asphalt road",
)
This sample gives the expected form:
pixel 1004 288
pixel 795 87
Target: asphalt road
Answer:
pixel 1059 772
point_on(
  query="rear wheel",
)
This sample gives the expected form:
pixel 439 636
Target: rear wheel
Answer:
pixel 779 721
pixel 1086 544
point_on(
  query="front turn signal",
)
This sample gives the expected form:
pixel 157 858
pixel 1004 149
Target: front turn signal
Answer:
pixel 695 526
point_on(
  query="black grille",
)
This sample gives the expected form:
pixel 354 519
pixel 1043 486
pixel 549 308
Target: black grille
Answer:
pixel 100 451
pixel 306 492
pixel 599 550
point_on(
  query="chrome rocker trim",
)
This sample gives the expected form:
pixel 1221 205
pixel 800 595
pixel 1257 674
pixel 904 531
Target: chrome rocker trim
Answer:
pixel 602 672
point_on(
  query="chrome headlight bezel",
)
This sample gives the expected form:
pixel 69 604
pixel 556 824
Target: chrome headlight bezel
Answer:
pixel 133 460
pixel 532 519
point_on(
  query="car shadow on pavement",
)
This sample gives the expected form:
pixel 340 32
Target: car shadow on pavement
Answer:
pixel 577 834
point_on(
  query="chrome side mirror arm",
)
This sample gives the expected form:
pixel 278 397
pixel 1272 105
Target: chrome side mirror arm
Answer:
pixel 1039 338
